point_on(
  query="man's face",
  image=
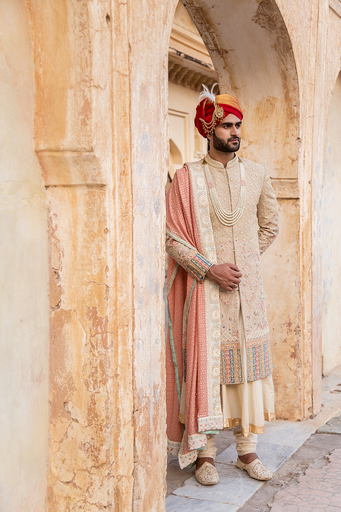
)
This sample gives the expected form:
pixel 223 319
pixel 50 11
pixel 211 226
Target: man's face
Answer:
pixel 226 136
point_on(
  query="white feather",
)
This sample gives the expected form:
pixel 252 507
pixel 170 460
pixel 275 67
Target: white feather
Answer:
pixel 206 94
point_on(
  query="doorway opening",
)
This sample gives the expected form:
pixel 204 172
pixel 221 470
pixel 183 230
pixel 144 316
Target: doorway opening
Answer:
pixel 245 47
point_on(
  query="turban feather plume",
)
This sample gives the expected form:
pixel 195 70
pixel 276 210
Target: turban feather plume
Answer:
pixel 211 110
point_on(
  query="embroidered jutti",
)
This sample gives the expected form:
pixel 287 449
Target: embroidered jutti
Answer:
pixel 204 344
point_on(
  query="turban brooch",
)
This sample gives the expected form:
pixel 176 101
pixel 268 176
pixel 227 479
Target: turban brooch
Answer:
pixel 212 109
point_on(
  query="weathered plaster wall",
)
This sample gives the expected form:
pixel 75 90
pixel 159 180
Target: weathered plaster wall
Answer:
pixel 315 32
pixel 149 31
pixel 331 238
pixel 24 277
pixel 301 20
pixel 83 144
pixel 330 181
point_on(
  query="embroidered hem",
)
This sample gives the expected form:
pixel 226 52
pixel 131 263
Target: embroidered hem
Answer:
pixel 269 416
pixel 255 429
pixel 197 442
pixel 210 423
pixel 206 424
pixel 173 447
pixel 185 460
pixel 188 459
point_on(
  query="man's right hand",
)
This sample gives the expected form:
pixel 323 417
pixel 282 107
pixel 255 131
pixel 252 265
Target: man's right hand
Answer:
pixel 227 275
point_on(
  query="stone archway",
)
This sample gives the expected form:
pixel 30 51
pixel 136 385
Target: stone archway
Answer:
pixel 253 57
pixel 331 238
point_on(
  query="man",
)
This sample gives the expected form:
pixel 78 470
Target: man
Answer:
pixel 221 216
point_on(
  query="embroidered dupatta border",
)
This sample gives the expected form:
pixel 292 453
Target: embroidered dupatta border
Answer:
pixel 185 321
pixel 214 418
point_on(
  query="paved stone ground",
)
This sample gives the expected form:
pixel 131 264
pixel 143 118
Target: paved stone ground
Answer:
pixel 305 458
pixel 176 477
pixel 318 490
pixel 310 481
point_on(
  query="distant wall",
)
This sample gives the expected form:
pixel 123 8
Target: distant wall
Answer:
pixel 182 104
pixel 24 314
pixel 331 239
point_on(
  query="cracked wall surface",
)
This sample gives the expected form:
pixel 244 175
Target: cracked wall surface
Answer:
pixel 88 195
pixel 80 424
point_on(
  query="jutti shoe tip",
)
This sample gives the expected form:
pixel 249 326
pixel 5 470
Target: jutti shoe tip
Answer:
pixel 207 474
pixel 255 469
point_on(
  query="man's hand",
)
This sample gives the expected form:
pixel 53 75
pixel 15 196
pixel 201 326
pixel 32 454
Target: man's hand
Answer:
pixel 227 275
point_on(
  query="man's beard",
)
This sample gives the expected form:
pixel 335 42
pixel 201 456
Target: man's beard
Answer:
pixel 225 147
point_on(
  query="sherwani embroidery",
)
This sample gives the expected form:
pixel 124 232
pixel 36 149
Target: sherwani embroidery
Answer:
pixel 243 243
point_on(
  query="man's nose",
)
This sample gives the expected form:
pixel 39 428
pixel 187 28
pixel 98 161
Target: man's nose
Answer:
pixel 234 130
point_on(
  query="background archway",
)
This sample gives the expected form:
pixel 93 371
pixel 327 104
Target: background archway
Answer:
pixel 331 238
pixel 175 158
pixel 252 54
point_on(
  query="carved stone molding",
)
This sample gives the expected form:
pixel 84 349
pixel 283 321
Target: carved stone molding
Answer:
pixel 189 72
pixel 70 168
pixel 335 5
pixel 286 188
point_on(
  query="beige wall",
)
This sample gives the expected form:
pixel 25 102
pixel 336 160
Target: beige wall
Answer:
pixel 182 103
pixel 186 144
pixel 24 277
pixel 331 238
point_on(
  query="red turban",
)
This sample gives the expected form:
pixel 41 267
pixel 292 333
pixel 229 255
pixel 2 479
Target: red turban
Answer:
pixel 211 111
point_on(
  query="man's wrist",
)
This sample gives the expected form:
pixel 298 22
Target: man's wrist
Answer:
pixel 209 272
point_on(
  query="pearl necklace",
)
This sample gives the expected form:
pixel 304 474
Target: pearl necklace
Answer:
pixel 227 218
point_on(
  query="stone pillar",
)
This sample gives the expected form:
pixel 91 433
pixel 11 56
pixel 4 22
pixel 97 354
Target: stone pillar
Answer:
pixel 149 32
pixel 101 121
pixel 83 144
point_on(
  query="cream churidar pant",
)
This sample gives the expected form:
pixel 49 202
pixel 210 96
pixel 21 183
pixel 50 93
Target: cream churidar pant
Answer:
pixel 245 406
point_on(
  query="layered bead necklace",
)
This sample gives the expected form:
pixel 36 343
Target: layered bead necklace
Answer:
pixel 227 218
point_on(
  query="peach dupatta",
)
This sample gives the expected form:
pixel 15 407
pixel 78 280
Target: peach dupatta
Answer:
pixel 188 341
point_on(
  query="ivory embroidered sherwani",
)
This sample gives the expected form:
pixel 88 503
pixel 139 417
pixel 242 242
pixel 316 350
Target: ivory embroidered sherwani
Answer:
pixel 232 369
